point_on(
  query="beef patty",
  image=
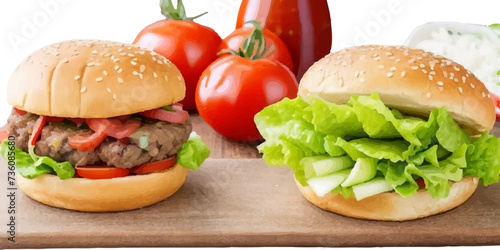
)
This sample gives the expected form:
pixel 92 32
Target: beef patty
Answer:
pixel 153 141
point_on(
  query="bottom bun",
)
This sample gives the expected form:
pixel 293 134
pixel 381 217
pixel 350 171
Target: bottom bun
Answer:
pixel 118 194
pixel 392 206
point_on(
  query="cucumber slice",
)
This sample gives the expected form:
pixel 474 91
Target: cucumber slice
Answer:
pixel 325 184
pixel 324 165
pixel 364 170
pixel 373 187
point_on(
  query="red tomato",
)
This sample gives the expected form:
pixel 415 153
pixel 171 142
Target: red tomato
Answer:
pixel 20 112
pixel 420 182
pixel 233 89
pixel 281 54
pixel 87 141
pixel 100 172
pixel 114 127
pixel 179 116
pixel 37 129
pixel 189 45
pixel 496 101
pixel 3 135
pixel 155 166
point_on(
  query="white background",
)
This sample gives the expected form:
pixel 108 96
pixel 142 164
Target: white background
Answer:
pixel 354 22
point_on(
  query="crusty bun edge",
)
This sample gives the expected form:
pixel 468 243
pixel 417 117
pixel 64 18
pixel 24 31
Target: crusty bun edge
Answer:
pixel 118 194
pixel 392 206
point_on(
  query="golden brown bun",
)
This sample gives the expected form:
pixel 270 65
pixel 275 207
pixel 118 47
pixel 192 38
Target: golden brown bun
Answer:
pixel 118 194
pixel 411 80
pixel 94 79
pixel 392 206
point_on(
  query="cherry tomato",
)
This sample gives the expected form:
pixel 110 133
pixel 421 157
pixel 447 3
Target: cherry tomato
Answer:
pixel 155 166
pixel 233 89
pixel 235 40
pixel 189 45
pixel 101 172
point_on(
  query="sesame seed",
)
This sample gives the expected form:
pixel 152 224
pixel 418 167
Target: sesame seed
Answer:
pixel 356 74
pixel 362 79
pixel 452 75
pixel 155 75
pixel 90 64
pixel 398 60
pixel 489 96
pixel 98 79
pixel 117 67
pixel 179 78
pixel 393 69
pixel 456 68
pixel 440 83
pixel 159 62
pixel 107 55
pixel 456 79
pixel 484 94
pixel 77 77
pixel 344 63
pixel 422 65
pixel 412 60
pixel 390 74
pixel 431 77
pixel 140 76
pixel 388 53
pixel 166 78
pixel 403 74
pixel 116 60
pixel 120 50
pixel 133 62
pixel 414 67
pixel 105 73
pixel 114 96
pixel 142 68
pixel 120 80
pixel 419 58
pixel 130 54
pixel 445 74
pixel 472 85
pixel 377 58
pixel 362 72
pixel 83 90
pixel 432 73
pixel 119 71
pixel 154 58
pixel 381 66
pixel 123 54
pixel 460 90
pixel 440 88
pixel 375 55
pixel 425 71
pixel 108 90
pixel 94 52
pixel 135 73
pixel 65 60
pixel 463 79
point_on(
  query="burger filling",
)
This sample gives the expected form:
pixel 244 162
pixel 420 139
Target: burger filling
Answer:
pixel 152 140
pixel 364 148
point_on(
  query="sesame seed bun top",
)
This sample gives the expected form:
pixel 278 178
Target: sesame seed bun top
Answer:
pixel 94 79
pixel 410 80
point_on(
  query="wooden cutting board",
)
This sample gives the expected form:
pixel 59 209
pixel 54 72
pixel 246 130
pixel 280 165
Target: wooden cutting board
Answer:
pixel 243 202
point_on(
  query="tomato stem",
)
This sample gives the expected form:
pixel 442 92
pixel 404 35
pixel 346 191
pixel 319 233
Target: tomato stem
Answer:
pixel 254 46
pixel 179 13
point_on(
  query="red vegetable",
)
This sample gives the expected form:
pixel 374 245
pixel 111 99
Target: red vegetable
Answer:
pixel 236 39
pixel 155 166
pixel 113 127
pixel 189 45
pixel 101 172
pixel 87 141
pixel 420 182
pixel 235 88
pixel 37 129
pixel 20 112
pixel 179 116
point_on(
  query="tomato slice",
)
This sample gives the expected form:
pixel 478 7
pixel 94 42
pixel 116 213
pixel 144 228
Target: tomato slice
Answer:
pixel 76 121
pixel 100 172
pixel 3 135
pixel 155 166
pixel 87 141
pixel 114 127
pixel 496 101
pixel 179 116
pixel 420 182
pixel 37 129
pixel 55 119
pixel 20 111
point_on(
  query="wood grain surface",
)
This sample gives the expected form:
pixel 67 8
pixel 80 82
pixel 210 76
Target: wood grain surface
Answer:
pixel 242 202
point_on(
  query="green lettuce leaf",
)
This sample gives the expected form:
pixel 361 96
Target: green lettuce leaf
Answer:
pixel 30 168
pixel 483 158
pixel 192 153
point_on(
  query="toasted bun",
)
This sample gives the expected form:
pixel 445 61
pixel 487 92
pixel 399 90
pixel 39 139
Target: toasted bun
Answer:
pixel 392 206
pixel 94 79
pixel 410 80
pixel 118 194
